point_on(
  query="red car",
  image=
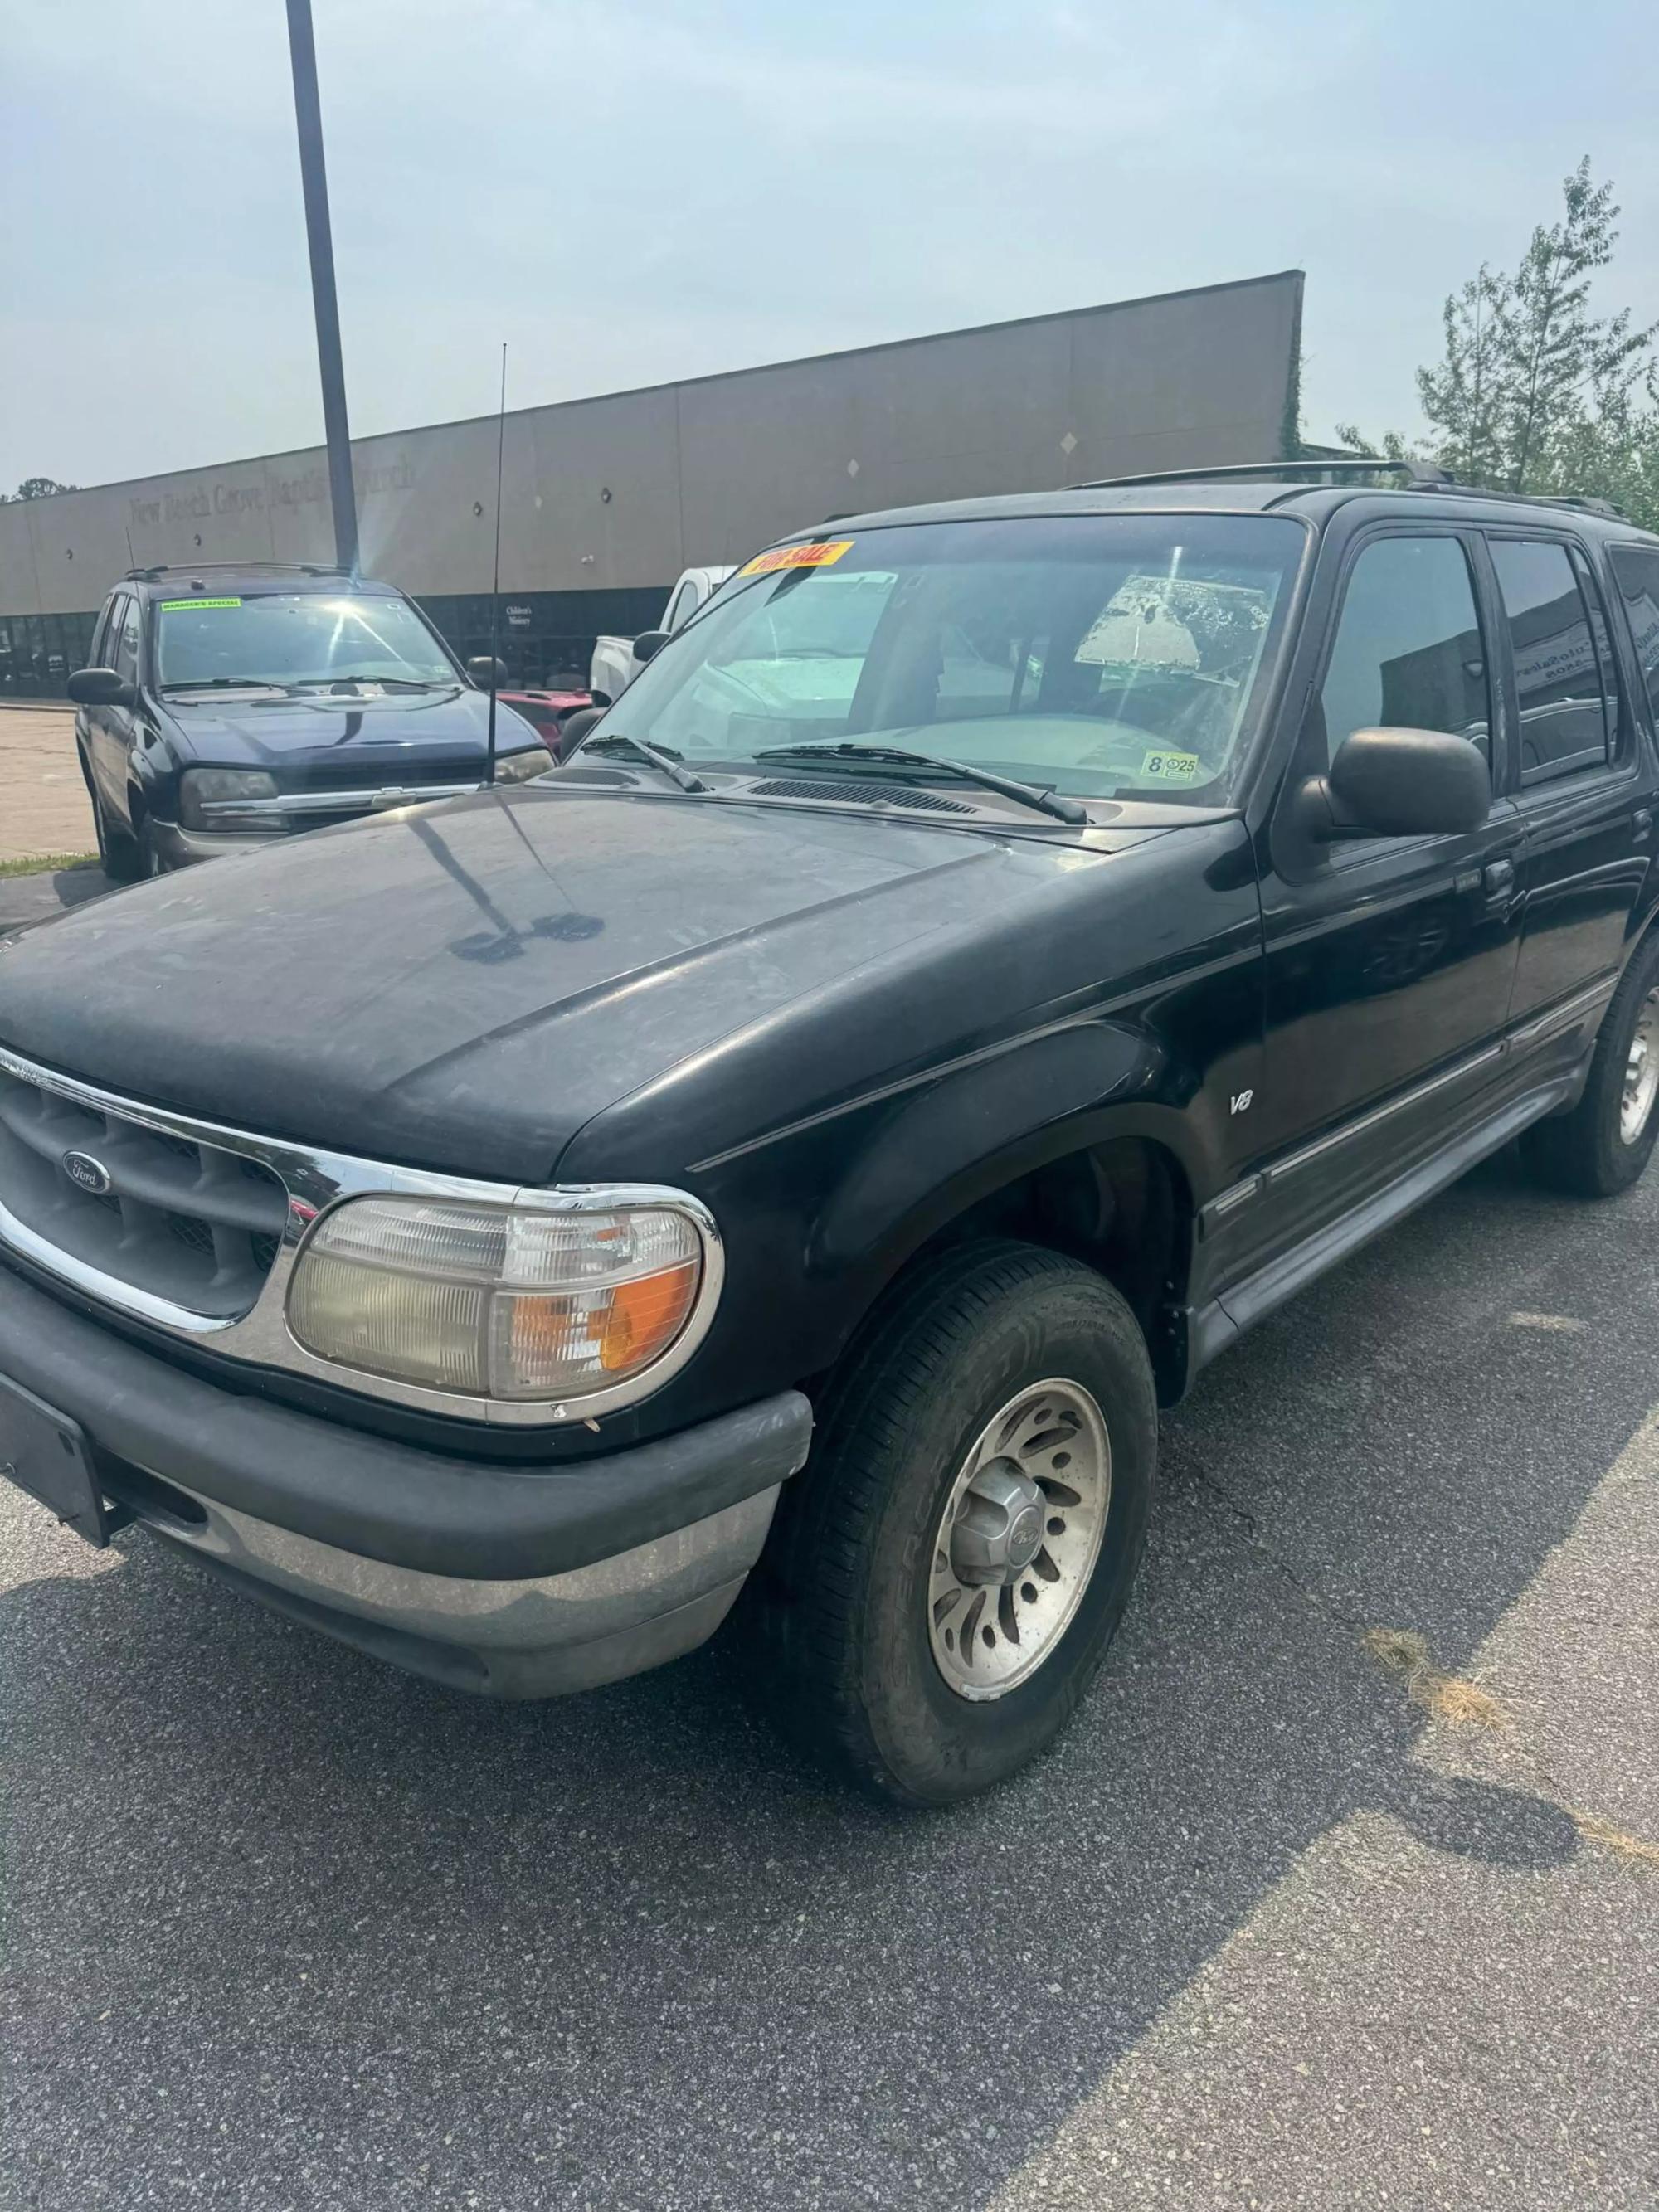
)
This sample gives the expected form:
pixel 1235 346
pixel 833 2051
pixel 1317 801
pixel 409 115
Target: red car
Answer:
pixel 549 711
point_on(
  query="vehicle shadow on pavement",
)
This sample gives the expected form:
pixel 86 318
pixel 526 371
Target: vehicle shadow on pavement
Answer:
pixel 273 1903
pixel 27 900
pixel 74 886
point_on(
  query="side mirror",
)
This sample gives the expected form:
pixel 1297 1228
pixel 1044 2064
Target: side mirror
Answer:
pixel 485 671
pixel 575 728
pixel 649 641
pixel 101 687
pixel 1398 783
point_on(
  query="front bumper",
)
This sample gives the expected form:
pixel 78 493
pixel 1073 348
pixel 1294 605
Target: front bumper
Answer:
pixel 179 847
pixel 512 1580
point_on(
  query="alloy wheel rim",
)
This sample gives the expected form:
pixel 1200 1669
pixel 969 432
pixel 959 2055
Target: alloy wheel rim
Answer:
pixel 1016 1543
pixel 1641 1072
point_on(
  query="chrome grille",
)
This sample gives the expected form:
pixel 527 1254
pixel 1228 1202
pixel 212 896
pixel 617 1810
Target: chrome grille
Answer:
pixel 188 1185
pixel 185 1222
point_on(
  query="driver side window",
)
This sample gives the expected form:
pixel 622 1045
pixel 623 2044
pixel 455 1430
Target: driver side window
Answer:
pixel 1408 653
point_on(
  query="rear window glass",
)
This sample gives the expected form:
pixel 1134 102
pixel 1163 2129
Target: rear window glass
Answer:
pixel 1566 724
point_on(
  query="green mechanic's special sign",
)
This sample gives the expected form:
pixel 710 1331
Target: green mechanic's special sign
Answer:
pixel 178 606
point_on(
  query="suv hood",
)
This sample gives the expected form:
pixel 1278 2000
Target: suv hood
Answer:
pixel 324 738
pixel 462 986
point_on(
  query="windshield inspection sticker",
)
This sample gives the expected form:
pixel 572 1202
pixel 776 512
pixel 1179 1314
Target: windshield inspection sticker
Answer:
pixel 1172 768
pixel 818 555
pixel 181 606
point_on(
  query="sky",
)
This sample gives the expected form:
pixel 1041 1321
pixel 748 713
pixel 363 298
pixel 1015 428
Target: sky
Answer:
pixel 632 191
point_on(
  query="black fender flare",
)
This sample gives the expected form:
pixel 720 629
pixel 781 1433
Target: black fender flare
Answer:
pixel 982 1125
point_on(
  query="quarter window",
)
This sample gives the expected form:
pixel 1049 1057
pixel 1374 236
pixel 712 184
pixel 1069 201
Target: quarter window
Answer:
pixel 126 650
pixel 1636 569
pixel 1407 652
pixel 103 643
pixel 1566 724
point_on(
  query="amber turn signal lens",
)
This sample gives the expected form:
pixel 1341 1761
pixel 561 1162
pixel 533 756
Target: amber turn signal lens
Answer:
pixel 645 1316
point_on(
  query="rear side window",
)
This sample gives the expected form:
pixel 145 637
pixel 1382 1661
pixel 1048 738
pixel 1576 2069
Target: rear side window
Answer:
pixel 1636 570
pixel 1567 721
pixel 1407 652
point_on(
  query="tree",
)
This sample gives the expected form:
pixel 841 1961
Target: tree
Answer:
pixel 1558 366
pixel 37 488
pixel 1533 392
pixel 1462 395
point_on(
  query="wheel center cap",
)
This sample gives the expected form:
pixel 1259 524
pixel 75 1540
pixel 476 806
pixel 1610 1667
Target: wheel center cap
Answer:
pixel 1024 1536
pixel 999 1532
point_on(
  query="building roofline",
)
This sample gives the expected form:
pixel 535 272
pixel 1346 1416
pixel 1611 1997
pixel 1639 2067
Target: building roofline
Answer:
pixel 691 383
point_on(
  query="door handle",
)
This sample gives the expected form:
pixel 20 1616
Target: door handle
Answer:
pixel 1500 881
pixel 1642 824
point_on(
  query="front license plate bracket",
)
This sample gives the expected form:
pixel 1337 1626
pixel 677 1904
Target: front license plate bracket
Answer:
pixel 51 1456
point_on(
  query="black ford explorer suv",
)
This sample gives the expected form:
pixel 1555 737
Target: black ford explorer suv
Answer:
pixel 987 959
pixel 228 705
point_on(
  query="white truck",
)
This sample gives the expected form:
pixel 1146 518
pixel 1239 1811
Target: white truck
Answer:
pixel 615 663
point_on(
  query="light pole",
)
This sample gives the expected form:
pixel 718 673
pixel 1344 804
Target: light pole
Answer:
pixel 308 118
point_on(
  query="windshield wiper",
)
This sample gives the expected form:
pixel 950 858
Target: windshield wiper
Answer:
pixel 382 683
pixel 230 684
pixel 1040 795
pixel 659 757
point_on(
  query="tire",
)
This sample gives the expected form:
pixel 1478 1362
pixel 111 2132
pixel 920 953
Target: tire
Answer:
pixel 1598 1150
pixel 119 853
pixel 856 1571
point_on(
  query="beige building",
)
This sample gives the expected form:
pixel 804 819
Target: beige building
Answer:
pixel 605 500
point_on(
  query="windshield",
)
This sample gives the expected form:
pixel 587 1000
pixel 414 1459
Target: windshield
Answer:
pixel 1107 655
pixel 297 638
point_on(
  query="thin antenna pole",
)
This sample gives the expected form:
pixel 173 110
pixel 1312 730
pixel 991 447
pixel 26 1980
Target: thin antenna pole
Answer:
pixel 496 578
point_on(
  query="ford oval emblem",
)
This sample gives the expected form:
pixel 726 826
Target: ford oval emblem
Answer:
pixel 91 1174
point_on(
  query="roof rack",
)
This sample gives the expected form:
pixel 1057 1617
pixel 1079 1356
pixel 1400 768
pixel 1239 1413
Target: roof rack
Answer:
pixel 1581 502
pixel 1415 472
pixel 201 568
pixel 1419 476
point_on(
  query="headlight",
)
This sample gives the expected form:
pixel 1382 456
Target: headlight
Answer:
pixel 519 768
pixel 503 1302
pixel 208 798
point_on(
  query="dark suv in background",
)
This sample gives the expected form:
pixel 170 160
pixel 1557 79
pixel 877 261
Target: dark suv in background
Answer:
pixel 225 706
pixel 984 960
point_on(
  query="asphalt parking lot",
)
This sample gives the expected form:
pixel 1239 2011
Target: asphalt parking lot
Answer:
pixel 1288 1920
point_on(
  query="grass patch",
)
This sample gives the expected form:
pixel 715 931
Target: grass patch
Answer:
pixel 1401 1652
pixel 1635 1850
pixel 47 864
pixel 1448 1698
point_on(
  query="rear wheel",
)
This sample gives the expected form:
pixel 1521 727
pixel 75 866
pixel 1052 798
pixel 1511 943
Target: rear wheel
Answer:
pixel 947 1573
pixel 1603 1145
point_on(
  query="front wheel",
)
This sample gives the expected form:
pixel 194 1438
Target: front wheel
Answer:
pixel 946 1574
pixel 119 855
